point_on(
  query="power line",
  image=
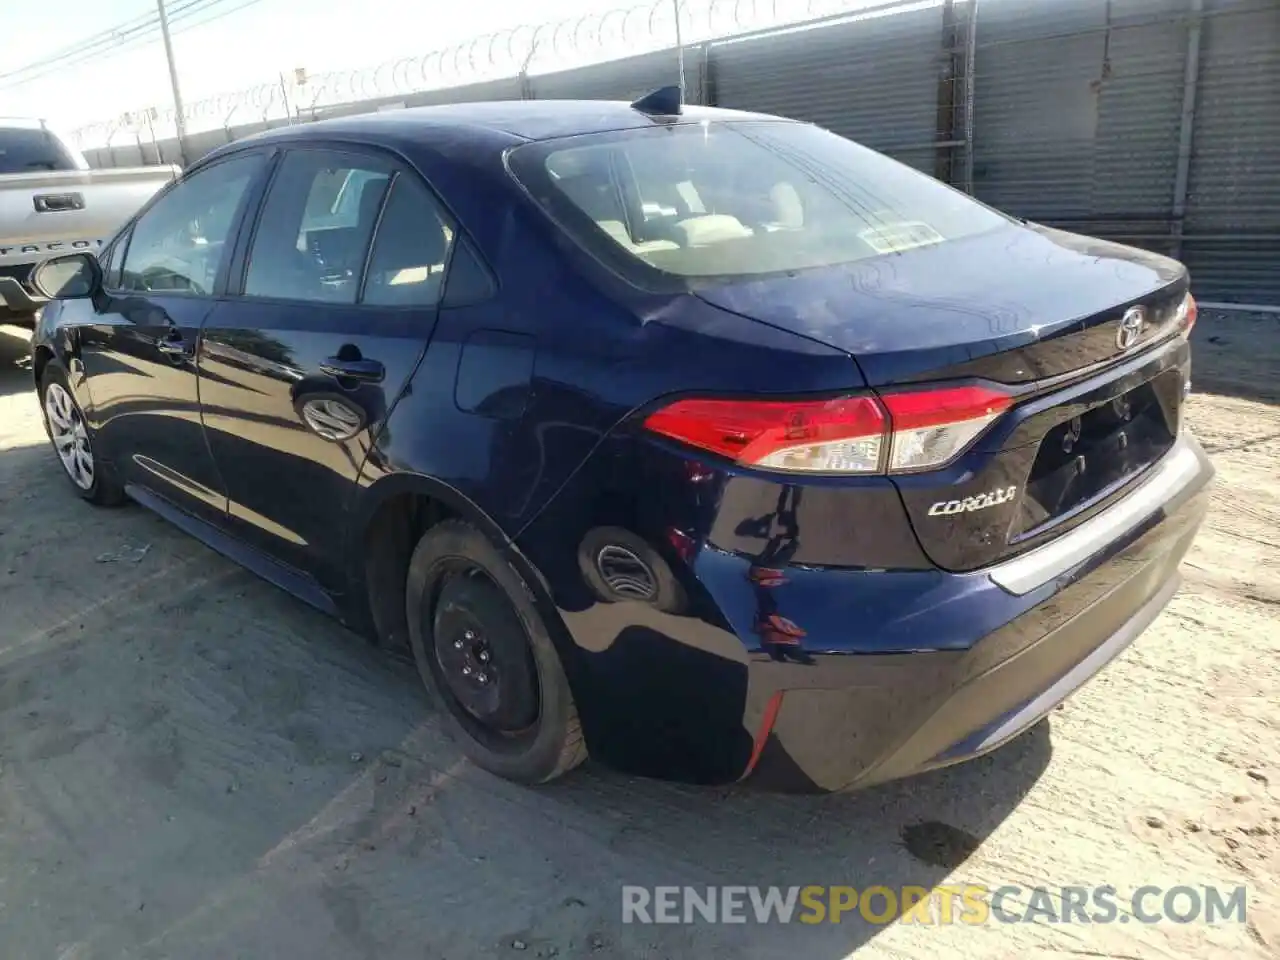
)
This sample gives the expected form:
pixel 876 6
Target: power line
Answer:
pixel 127 36
pixel 85 49
pixel 88 43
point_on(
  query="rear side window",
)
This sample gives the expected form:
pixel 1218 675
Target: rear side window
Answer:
pixel 728 200
pixel 316 226
pixel 31 150
pixel 406 267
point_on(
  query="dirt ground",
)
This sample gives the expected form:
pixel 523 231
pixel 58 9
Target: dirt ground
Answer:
pixel 194 765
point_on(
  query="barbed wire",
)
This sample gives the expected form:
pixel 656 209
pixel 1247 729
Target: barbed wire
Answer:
pixel 503 54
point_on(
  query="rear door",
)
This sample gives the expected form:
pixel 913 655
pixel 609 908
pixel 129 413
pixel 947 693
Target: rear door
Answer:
pixel 333 302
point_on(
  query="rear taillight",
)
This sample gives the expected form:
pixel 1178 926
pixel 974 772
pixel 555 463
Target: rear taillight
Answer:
pixel 843 435
pixel 900 432
pixel 931 427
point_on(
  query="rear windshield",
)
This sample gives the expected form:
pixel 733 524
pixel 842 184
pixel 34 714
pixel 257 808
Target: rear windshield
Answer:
pixel 25 150
pixel 742 199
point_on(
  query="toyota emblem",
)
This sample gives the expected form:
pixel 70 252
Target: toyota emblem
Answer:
pixel 1131 327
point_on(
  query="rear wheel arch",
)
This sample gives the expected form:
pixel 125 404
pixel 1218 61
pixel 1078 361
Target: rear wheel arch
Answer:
pixel 390 519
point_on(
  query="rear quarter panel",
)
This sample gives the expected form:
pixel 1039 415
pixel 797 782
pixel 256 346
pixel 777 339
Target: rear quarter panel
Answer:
pixel 596 349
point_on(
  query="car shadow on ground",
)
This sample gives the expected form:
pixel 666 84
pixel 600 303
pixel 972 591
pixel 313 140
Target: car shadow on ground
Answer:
pixel 15 360
pixel 915 833
pixel 195 764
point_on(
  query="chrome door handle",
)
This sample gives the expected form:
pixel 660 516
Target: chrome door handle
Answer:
pixel 369 371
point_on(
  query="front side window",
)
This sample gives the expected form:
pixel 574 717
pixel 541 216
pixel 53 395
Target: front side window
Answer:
pixel 316 226
pixel 730 200
pixel 180 242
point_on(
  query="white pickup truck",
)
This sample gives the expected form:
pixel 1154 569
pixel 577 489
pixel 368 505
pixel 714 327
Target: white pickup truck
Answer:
pixel 52 203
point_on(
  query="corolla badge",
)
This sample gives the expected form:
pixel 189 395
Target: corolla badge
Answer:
pixel 1131 326
pixel 980 502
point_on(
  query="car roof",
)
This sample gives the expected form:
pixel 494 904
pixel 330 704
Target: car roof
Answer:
pixel 502 122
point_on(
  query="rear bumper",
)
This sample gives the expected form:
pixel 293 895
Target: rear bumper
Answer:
pixel 904 714
pixel 802 677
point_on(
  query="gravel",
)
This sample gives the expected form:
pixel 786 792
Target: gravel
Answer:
pixel 192 764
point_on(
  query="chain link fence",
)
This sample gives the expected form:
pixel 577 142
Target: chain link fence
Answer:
pixel 1152 122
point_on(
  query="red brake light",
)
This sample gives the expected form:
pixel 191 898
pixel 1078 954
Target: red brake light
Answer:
pixel 1193 313
pixel 842 435
pixel 921 429
pixel 931 408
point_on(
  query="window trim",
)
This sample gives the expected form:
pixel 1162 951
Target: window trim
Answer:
pixel 373 240
pixel 399 167
pixel 247 201
pixel 119 242
pixel 239 275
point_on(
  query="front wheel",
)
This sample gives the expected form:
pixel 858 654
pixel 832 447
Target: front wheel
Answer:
pixel 482 648
pixel 72 442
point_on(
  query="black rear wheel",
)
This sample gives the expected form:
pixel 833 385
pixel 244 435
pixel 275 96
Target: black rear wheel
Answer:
pixel 482 648
pixel 482 654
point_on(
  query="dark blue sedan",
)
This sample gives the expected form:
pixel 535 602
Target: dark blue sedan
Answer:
pixel 709 444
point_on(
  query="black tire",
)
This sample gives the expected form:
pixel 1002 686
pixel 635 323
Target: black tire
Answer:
pixel 105 490
pixel 457 576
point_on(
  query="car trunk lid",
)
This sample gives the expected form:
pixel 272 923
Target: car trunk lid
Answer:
pixel 1040 311
pixel 1016 304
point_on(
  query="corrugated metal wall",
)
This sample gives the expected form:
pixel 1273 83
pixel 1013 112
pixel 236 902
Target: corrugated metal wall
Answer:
pixel 873 80
pixel 1077 115
pixel 1036 106
pixel 1232 224
pixel 627 79
pixel 1135 149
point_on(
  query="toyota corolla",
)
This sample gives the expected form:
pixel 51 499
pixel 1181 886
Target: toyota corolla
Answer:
pixel 709 444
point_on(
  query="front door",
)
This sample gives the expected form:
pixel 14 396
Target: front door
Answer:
pixel 338 299
pixel 139 348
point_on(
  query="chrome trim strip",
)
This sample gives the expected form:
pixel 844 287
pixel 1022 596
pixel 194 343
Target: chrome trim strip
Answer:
pixel 1024 573
pixel 1083 671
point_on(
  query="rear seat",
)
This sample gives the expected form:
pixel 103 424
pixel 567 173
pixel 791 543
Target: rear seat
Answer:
pixel 617 230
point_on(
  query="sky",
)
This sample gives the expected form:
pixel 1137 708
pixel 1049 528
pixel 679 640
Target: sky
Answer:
pixel 234 44
pixel 240 48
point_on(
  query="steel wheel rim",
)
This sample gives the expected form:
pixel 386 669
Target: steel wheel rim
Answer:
pixel 471 673
pixel 69 435
pixel 443 661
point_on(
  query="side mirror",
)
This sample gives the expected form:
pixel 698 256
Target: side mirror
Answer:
pixel 75 276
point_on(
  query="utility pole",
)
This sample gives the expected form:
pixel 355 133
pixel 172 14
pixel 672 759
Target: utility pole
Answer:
pixel 179 119
pixel 675 6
